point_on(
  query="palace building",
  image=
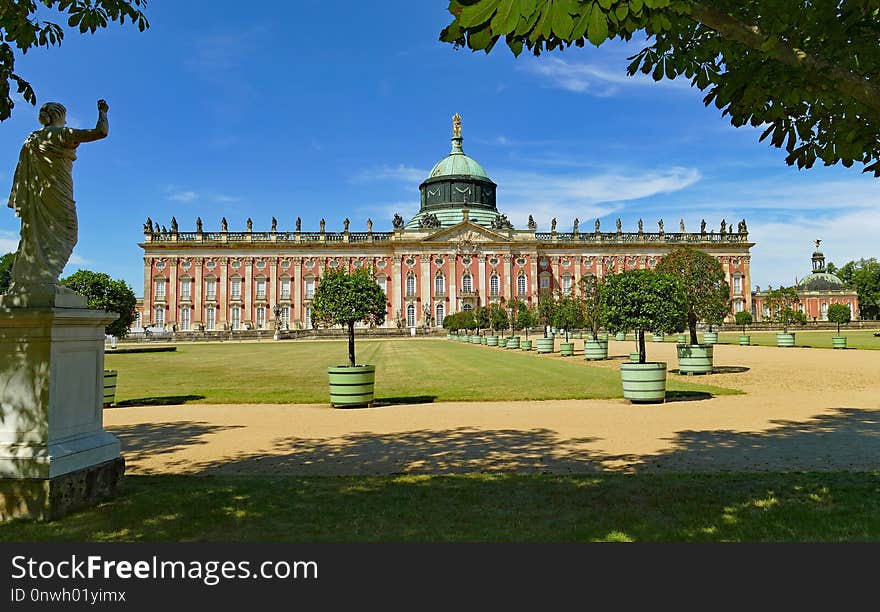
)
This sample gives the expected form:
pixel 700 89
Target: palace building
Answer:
pixel 457 252
pixel 816 292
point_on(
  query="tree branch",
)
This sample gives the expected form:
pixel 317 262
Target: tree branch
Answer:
pixel 845 81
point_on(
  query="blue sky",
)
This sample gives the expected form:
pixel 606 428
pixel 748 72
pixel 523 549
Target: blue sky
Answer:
pixel 339 109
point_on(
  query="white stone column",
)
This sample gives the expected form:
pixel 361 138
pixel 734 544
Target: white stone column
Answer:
pixel 297 284
pixel 396 294
pixel 452 282
pixel 198 301
pixel 171 293
pixel 248 308
pixel 425 267
pixel 509 288
pixel 481 272
pixel 223 293
pixel 147 315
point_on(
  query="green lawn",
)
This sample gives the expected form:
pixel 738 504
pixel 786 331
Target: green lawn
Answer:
pixel 855 339
pixel 478 507
pixel 407 370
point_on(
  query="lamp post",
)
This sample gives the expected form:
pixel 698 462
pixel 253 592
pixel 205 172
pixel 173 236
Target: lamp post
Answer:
pixel 277 312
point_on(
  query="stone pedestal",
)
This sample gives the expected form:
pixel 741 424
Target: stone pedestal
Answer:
pixel 54 453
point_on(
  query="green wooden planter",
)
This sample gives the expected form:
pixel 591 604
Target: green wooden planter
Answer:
pixel 502 342
pixel 620 336
pixel 745 340
pixel 544 345
pixel 109 387
pixel 634 357
pixel 838 342
pixel 526 345
pixel 449 336
pixel 351 386
pixel 491 340
pixel 476 339
pixel 603 336
pixel 710 337
pixel 594 350
pixel 644 382
pixel 784 339
pixel 694 358
pixel 682 339
pixel 513 342
pixel 566 349
pixel 484 340
pixel 657 337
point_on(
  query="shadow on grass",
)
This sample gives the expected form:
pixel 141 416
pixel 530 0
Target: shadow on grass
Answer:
pixel 167 400
pixel 729 369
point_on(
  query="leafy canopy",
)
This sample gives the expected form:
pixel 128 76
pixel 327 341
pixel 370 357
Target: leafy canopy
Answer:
pixel 863 275
pixel 590 299
pixel 743 318
pixel 805 71
pixel 781 303
pixel 22 30
pixel 839 313
pixel 6 271
pixel 702 277
pixel 104 293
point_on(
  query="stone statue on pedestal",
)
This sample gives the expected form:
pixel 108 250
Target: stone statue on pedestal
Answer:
pixel 250 225
pixel 42 196
pixel 199 225
pixel 553 225
pixel 397 221
pixel 681 225
pixel 299 224
pixel 224 226
pixel 345 224
pixel 174 226
pixel 576 225
pixel 274 224
pixel 641 226
pixel 532 224
pixel 322 225
pixel 369 226
pixel 619 225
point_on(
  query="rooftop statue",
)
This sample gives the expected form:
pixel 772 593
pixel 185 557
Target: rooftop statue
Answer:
pixel 148 226
pixel 703 226
pixel 619 225
pixel 723 226
pixel 322 225
pixel 532 223
pixel 576 224
pixel 274 224
pixel 553 225
pixel 42 196
pixel 224 226
pixel 369 225
pixel 456 126
pixel 660 225
pixel 345 224
pixel 250 225
pixel 174 226
pixel 397 221
pixel 641 226
pixel 199 225
pixel 681 225
pixel 299 224
pixel 597 226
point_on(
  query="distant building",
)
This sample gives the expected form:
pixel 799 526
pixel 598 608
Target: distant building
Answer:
pixel 458 252
pixel 817 291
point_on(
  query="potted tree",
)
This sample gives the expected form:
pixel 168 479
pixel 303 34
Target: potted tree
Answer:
pixel 497 322
pixel 345 299
pixel 644 300
pixel 781 304
pixel 512 312
pixel 546 308
pixel 567 315
pixel 525 318
pixel 590 293
pixel 707 296
pixel 839 313
pixel 743 318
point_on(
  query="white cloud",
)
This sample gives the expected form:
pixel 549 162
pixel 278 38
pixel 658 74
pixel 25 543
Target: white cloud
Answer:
pixel 184 196
pixel 592 78
pixel 400 172
pixel 8 242
pixel 77 260
pixel 586 197
pixel 189 195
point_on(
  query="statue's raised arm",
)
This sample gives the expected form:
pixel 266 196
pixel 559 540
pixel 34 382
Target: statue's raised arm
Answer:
pixel 42 196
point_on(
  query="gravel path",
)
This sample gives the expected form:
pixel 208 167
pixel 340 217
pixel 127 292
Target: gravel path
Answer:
pixel 804 409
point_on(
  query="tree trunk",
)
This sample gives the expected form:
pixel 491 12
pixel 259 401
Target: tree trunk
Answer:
pixel 351 361
pixel 692 326
pixel 641 335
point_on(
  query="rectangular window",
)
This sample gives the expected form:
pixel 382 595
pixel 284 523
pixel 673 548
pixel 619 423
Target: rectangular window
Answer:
pixel 410 286
pixel 184 319
pixel 236 288
pixel 261 317
pixel 285 289
pixel 210 318
pixel 211 290
pixel 310 287
pixel 160 289
pixel 261 290
pixel 159 318
pixel 494 286
pixel 545 282
pixel 439 285
pixel 308 317
pixel 521 285
pixel 185 289
pixel 285 317
pixel 466 283
pixel 383 284
pixel 236 317
pixel 566 284
pixel 410 316
pixel 738 285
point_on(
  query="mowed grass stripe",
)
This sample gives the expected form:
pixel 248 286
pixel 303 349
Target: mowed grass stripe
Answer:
pixel 855 339
pixel 406 370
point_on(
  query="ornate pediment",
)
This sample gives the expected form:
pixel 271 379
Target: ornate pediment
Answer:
pixel 466 233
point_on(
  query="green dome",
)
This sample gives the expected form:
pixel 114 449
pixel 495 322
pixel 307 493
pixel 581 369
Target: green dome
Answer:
pixel 821 281
pixel 457 164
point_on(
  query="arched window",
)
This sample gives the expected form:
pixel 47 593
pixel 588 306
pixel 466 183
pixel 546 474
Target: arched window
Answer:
pixel 285 317
pixel 236 317
pixel 410 285
pixel 285 288
pixel 159 316
pixel 261 317
pixel 261 288
pixel 466 284
pixel 411 316
pixel 441 314
pixel 185 313
pixel 210 318
pixel 383 284
pixel 211 289
pixel 439 284
pixel 160 289
pixel 521 284
pixel 310 287
pixel 308 317
pixel 494 285
pixel 467 307
pixel 566 284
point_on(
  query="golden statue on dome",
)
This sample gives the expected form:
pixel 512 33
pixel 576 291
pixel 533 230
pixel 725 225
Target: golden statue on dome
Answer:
pixel 456 126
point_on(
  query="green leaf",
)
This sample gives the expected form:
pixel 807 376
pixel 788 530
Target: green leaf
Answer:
pixel 606 4
pixel 477 14
pixel 562 21
pixel 636 6
pixel 581 23
pixel 506 18
pixel 597 31
pixel 480 39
